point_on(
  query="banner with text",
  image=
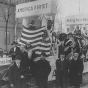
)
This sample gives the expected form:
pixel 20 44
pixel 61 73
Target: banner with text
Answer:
pixel 36 8
pixel 79 19
pixel 5 61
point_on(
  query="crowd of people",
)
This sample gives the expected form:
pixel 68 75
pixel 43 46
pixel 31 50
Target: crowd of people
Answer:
pixel 69 65
pixel 25 67
pixel 68 70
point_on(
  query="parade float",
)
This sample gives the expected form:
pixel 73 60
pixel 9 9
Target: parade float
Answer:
pixel 40 11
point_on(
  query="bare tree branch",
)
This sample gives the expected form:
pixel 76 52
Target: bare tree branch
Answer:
pixel 3 12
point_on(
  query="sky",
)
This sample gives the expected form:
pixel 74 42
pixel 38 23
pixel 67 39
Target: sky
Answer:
pixel 71 7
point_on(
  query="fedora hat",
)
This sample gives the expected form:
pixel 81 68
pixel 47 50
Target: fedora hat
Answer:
pixel 14 43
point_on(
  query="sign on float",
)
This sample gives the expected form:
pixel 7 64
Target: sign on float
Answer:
pixel 79 19
pixel 36 8
pixel 5 61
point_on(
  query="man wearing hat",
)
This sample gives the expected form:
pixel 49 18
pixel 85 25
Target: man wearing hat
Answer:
pixel 62 66
pixel 43 69
pixel 17 74
pixel 14 50
pixel 24 54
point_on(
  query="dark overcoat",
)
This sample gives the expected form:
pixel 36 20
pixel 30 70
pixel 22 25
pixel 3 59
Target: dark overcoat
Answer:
pixel 75 72
pixel 14 76
pixel 25 62
pixel 43 69
pixel 62 73
pixel 14 53
pixel 24 59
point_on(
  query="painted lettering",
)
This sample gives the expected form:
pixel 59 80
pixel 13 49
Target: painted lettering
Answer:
pixel 39 7
pixel 43 6
pixel 46 5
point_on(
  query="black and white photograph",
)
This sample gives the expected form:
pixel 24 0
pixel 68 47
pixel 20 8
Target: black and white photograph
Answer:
pixel 43 43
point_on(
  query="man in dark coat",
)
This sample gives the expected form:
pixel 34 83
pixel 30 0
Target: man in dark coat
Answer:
pixel 24 60
pixel 42 71
pixel 75 72
pixel 14 50
pixel 17 74
pixel 62 66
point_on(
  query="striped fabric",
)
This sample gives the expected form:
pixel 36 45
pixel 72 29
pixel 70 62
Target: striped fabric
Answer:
pixel 38 38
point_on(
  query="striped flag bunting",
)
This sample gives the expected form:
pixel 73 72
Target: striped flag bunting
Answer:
pixel 38 38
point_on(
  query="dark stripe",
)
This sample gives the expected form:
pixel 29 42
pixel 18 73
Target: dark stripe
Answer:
pixel 32 42
pixel 31 29
pixel 42 50
pixel 31 38
pixel 23 41
pixel 36 41
pixel 28 33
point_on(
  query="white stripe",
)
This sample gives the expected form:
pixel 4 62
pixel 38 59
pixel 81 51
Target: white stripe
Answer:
pixel 68 41
pixel 21 43
pixel 47 53
pixel 41 48
pixel 30 31
pixel 31 36
pixel 29 41
pixel 34 44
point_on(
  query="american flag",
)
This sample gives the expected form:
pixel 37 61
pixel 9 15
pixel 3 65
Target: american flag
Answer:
pixel 38 38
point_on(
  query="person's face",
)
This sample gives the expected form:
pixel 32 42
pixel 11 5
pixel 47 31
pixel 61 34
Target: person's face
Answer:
pixel 17 61
pixel 62 57
pixel 75 56
pixel 82 56
pixel 22 48
pixel 42 57
pixel 14 45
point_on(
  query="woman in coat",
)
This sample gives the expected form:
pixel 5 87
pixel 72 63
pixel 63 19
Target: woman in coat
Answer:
pixel 75 72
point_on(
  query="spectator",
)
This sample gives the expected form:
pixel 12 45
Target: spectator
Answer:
pixel 42 71
pixel 75 72
pixel 62 72
pixel 77 31
pixel 24 55
pixel 17 74
pixel 25 62
pixel 14 50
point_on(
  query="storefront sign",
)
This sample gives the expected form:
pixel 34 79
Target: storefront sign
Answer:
pixel 5 61
pixel 36 8
pixel 79 19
